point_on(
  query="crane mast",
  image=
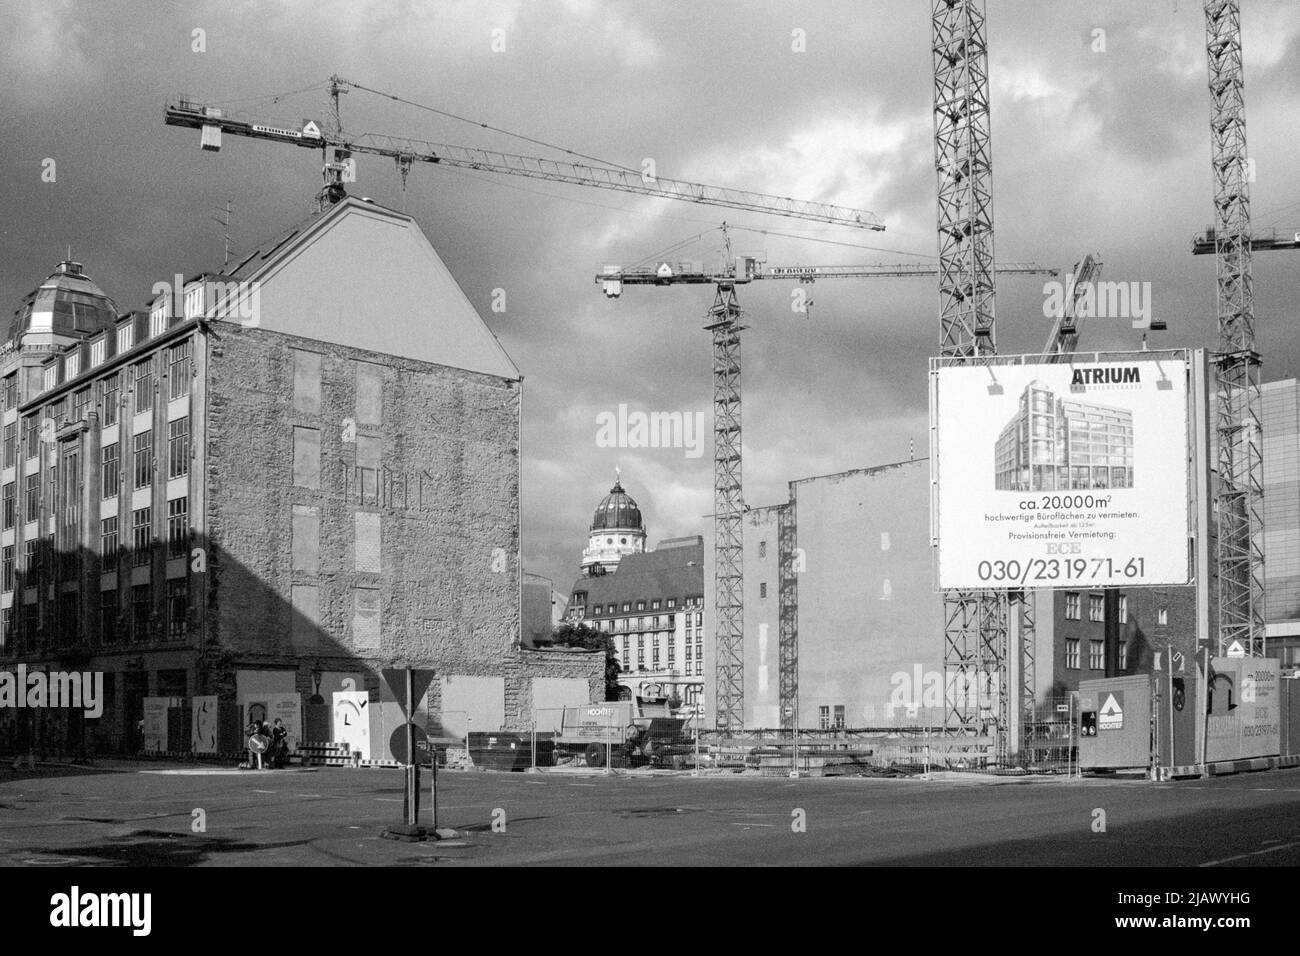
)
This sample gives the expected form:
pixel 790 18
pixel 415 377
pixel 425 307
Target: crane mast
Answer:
pixel 976 623
pixel 1237 365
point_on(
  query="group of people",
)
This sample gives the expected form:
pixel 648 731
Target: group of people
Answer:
pixel 271 743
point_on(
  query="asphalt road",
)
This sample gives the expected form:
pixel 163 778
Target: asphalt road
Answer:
pixel 330 817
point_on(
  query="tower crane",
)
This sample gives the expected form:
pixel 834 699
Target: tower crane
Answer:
pixel 1237 364
pixel 1065 332
pixel 724 316
pixel 405 152
pixel 734 272
pixel 745 269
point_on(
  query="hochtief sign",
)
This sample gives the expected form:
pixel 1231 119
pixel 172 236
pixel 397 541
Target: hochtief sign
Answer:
pixel 1062 475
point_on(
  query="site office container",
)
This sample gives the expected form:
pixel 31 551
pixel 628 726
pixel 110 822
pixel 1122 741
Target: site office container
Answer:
pixel 1137 722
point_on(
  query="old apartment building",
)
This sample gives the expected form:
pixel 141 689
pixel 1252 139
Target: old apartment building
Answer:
pixel 278 478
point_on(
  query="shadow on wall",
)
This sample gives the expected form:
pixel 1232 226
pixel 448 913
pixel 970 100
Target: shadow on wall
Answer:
pixel 139 617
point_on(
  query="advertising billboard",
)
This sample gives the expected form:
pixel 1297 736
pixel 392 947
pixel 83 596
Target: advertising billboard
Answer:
pixel 1062 474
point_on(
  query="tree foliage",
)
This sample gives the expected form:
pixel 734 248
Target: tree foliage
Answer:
pixel 588 638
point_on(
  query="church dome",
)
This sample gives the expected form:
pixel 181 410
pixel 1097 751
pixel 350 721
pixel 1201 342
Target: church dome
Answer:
pixel 67 303
pixel 617 511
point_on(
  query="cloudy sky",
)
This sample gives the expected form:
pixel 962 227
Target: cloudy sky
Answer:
pixel 1094 151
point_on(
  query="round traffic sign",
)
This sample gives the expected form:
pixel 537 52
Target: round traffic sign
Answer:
pixel 258 744
pixel 397 743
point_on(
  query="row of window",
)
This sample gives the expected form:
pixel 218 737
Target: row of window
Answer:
pixel 641 605
pixel 1097 608
pixel 826 722
pixel 1096 654
pixel 110 475
pixel 179 360
pixel 134 624
pixel 142 542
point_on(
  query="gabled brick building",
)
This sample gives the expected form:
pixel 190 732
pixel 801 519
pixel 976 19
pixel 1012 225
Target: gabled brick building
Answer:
pixel 276 479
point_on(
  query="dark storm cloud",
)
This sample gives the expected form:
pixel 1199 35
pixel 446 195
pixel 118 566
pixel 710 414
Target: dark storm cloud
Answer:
pixel 1104 153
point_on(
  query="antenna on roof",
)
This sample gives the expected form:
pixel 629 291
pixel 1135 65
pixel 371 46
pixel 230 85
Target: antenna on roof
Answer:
pixel 224 222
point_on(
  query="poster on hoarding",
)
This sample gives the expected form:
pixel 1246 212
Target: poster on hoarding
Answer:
pixel 1069 474
pixel 1245 719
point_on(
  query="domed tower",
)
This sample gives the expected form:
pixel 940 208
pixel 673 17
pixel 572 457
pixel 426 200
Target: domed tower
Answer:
pixel 616 530
pixel 66 307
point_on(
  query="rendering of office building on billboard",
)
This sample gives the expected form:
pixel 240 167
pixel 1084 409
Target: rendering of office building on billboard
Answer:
pixel 1055 444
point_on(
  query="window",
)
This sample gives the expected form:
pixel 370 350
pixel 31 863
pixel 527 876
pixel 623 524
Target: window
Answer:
pixel 72 366
pixel 49 377
pixel 762 549
pixel 31 437
pixel 178 370
pixel 654 653
pixel 699 618
pixel 1097 655
pixel 178 527
pixel 81 404
pixel 10 508
pixel 626 607
pixel 125 338
pixel 1072 606
pixel 305 546
pixel 640 650
pixel 1162 616
pixel 109 397
pixel 178 608
pixel 108 617
pixel 596 610
pixel 158 317
pixel 143 373
pixel 141 611
pixel 762 590
pixel 306 382
pixel 370 393
pixel 1123 655
pixel 29 557
pixel 824 717
pixel 178 447
pixel 654 605
pixel 110 471
pixel 11 436
pixel 142 458
pixel 1072 653
pixel 640 605
pixel 108 544
pixel 141 536
pixel 306 457
pixel 7 568
pixel 11 390
pixel 69 496
pixel 32 497
pixel 1096 608
pixel 1123 609
pixel 97 352
pixel 367 541
pixel 672 603
pixel 838 722
pixel 366 618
